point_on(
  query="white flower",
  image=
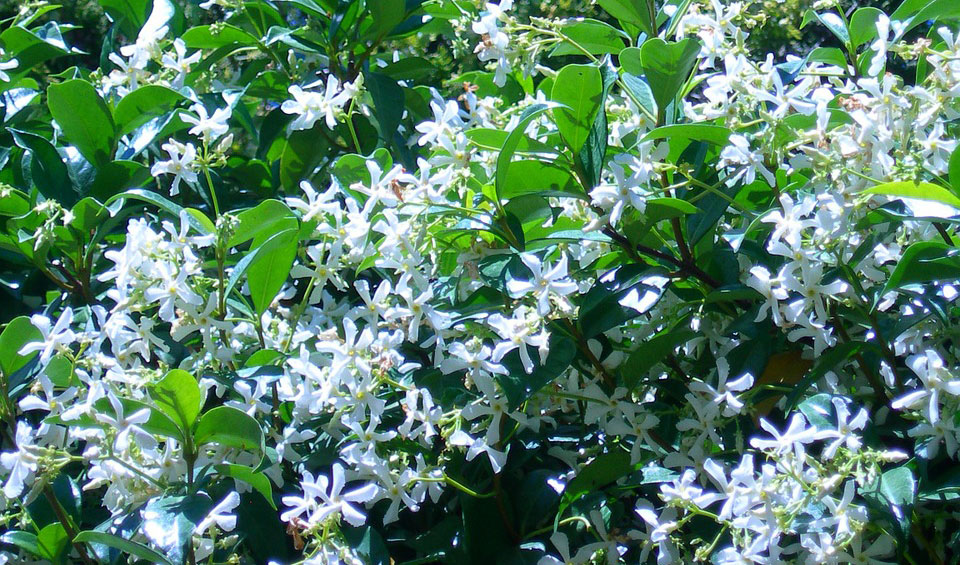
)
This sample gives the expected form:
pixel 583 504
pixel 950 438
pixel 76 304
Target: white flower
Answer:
pixel 325 498
pixel 55 338
pixel 181 164
pixel 546 279
pixel 221 515
pixel 210 128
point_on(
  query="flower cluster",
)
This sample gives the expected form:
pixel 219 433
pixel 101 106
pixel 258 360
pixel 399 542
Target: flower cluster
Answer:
pixel 670 302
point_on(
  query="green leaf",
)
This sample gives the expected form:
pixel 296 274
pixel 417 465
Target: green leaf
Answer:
pixel 117 176
pixel 24 540
pixel 831 21
pixel 592 156
pixel 387 14
pixel 653 351
pixel 918 190
pixel 266 275
pixel 493 139
pixel 254 478
pixel 49 172
pixel 272 243
pixel 388 102
pixel 302 152
pixel 863 25
pixel 667 67
pixel 633 12
pixel 266 218
pixel 144 104
pixel 52 541
pixel 519 386
pixel 600 472
pixel 169 522
pixel 126 546
pixel 178 395
pixel 893 494
pixel 536 177
pixel 193 216
pixel 130 15
pixel 594 36
pixel 631 61
pixel 512 142
pixel 229 427
pixel 954 170
pixel 925 262
pixel 600 308
pixel 217 35
pixel 829 56
pixel 91 130
pixel 718 135
pixel 18 333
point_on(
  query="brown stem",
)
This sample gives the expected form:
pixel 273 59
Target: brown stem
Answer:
pixel 66 522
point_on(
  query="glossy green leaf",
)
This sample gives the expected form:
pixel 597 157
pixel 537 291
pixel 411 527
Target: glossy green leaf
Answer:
pixel 954 170
pixel 24 540
pixel 633 12
pixel 266 275
pixel 593 36
pixel 229 427
pixel 519 386
pixel 667 67
pixel 388 102
pixel 169 522
pixel 126 546
pixel 142 105
pixel 512 142
pixel 266 218
pixel 49 172
pixel 602 471
pixel 116 176
pixel 918 190
pixel 165 205
pixel 178 395
pixel 532 177
pixel 271 244
pixel 257 480
pixel 654 351
pixel 925 262
pixel 863 25
pixel 718 135
pixel 592 156
pixel 19 332
pixel 217 35
pixel 831 21
pixel 52 541
pixel 92 130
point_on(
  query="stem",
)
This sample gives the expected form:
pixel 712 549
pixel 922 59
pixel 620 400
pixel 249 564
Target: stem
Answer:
pixel 459 486
pixel 353 132
pixel 66 522
pixel 213 193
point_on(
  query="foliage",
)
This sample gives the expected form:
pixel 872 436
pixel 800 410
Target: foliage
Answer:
pixel 417 281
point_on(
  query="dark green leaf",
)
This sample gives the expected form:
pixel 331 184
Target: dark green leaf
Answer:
pixel 142 105
pixel 92 130
pixel 924 262
pixel 128 547
pixel 519 386
pixel 388 101
pixel 47 168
